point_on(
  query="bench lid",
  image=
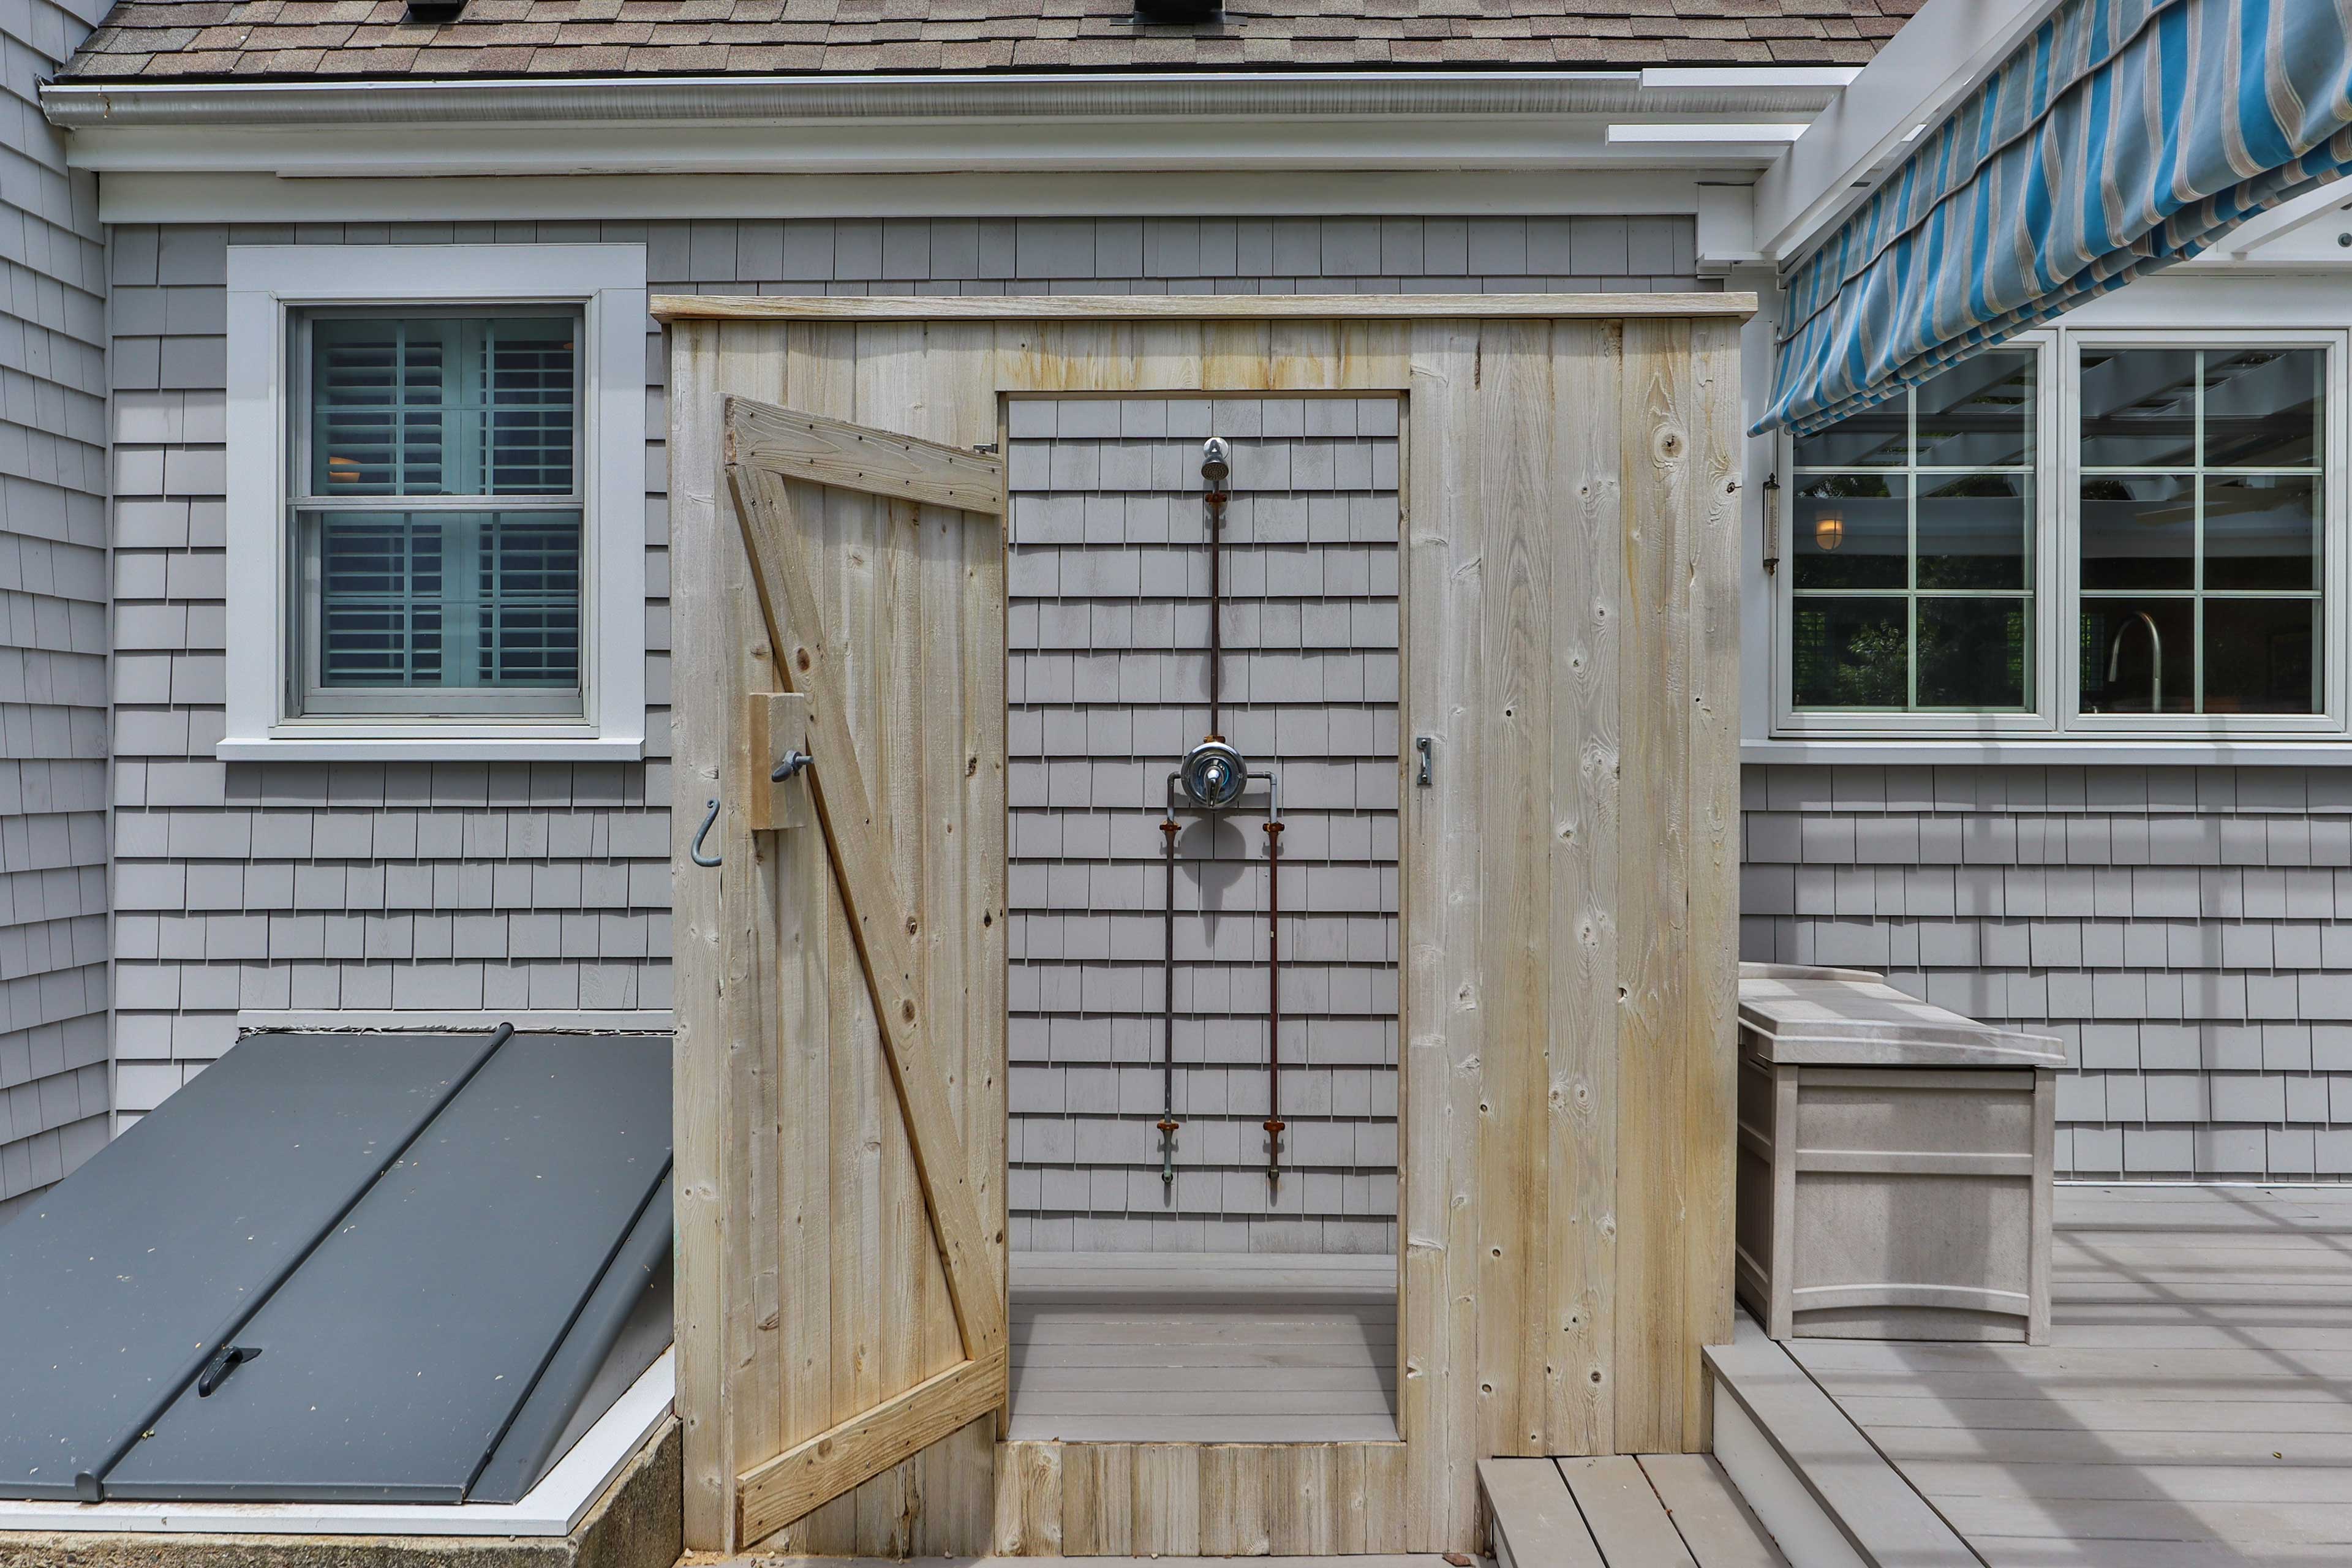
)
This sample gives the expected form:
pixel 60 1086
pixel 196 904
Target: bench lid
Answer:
pixel 1850 1017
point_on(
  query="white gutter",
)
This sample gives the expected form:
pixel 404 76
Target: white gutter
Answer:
pixel 75 105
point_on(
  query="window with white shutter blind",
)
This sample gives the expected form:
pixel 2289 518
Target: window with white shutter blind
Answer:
pixel 436 513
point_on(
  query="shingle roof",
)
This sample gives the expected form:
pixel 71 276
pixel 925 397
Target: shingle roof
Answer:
pixel 247 39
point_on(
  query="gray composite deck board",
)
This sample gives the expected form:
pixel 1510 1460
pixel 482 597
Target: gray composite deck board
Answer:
pixel 1536 1521
pixel 1628 1522
pixel 1138 1347
pixel 1657 1510
pixel 2191 1410
pixel 1714 1521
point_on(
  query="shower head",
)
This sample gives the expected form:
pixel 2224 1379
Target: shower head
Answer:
pixel 1215 461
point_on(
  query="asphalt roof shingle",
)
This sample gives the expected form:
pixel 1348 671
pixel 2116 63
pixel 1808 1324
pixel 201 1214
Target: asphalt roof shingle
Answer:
pixel 248 39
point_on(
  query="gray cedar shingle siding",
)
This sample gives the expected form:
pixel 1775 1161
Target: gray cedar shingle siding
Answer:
pixel 380 887
pixel 53 1068
pixel 2181 928
pixel 249 39
pixel 1109 627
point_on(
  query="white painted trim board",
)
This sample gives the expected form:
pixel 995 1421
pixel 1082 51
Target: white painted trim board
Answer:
pixel 554 1507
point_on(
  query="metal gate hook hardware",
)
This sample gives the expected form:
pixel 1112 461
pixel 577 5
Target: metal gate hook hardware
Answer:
pixel 1422 744
pixel 693 852
pixel 225 1360
pixel 791 764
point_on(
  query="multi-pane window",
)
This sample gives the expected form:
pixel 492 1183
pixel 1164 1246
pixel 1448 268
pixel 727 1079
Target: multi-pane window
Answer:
pixel 436 512
pixel 2202 518
pixel 1911 565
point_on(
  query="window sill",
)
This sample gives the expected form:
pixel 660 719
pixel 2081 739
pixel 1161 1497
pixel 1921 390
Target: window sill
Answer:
pixel 2217 752
pixel 360 748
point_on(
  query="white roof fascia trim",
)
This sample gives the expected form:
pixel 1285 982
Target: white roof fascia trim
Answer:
pixel 1121 95
pixel 262 197
pixel 554 1507
pixel 1217 145
pixel 1943 53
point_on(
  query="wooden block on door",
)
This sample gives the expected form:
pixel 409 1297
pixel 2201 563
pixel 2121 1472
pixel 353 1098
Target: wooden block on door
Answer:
pixel 774 725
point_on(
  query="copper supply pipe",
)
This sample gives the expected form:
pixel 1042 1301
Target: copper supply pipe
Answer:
pixel 1168 1122
pixel 1216 499
pixel 1274 1122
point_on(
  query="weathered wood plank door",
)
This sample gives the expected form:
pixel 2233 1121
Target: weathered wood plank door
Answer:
pixel 859 1318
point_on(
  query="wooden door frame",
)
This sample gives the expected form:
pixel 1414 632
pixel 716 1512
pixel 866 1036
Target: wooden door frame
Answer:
pixel 1417 1494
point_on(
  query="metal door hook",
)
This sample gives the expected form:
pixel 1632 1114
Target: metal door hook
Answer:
pixel 693 852
pixel 790 764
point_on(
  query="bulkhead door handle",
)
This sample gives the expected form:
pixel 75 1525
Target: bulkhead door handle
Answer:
pixel 226 1360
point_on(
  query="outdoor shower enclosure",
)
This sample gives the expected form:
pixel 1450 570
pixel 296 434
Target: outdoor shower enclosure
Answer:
pixel 1569 635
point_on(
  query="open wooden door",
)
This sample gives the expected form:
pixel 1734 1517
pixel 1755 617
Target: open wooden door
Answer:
pixel 853 902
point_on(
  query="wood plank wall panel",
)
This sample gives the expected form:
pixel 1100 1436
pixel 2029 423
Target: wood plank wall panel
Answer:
pixel 1711 1093
pixel 1442 1020
pixel 1588 561
pixel 1652 887
pixel 831 1298
pixel 704 1161
pixel 1209 1500
pixel 1568 899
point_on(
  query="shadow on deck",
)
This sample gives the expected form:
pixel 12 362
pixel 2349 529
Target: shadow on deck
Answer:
pixel 2191 1411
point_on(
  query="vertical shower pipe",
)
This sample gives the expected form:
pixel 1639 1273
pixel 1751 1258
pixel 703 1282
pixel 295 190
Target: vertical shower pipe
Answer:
pixel 1168 1122
pixel 1274 1122
pixel 1214 466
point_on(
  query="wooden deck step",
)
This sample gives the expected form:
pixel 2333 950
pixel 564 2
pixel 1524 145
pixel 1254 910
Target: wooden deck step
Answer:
pixel 1828 1496
pixel 1674 1510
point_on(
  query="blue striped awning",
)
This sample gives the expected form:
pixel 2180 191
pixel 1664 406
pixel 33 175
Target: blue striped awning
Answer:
pixel 2124 136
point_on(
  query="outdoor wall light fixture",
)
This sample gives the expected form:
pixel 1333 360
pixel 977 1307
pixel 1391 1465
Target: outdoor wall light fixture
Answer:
pixel 1828 532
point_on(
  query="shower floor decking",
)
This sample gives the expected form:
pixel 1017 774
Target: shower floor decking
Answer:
pixel 1112 1347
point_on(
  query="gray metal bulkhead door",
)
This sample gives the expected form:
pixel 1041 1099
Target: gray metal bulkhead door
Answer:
pixel 116 1285
pixel 393 1361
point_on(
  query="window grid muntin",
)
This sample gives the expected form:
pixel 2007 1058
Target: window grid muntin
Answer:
pixel 1912 470
pixel 2196 469
pixel 309 694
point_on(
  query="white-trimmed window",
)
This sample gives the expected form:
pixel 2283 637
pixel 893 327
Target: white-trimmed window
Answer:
pixel 2206 480
pixel 2087 532
pixel 436 502
pixel 1912 562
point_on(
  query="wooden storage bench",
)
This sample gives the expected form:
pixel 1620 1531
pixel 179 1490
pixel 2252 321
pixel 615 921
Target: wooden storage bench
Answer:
pixel 1894 1164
